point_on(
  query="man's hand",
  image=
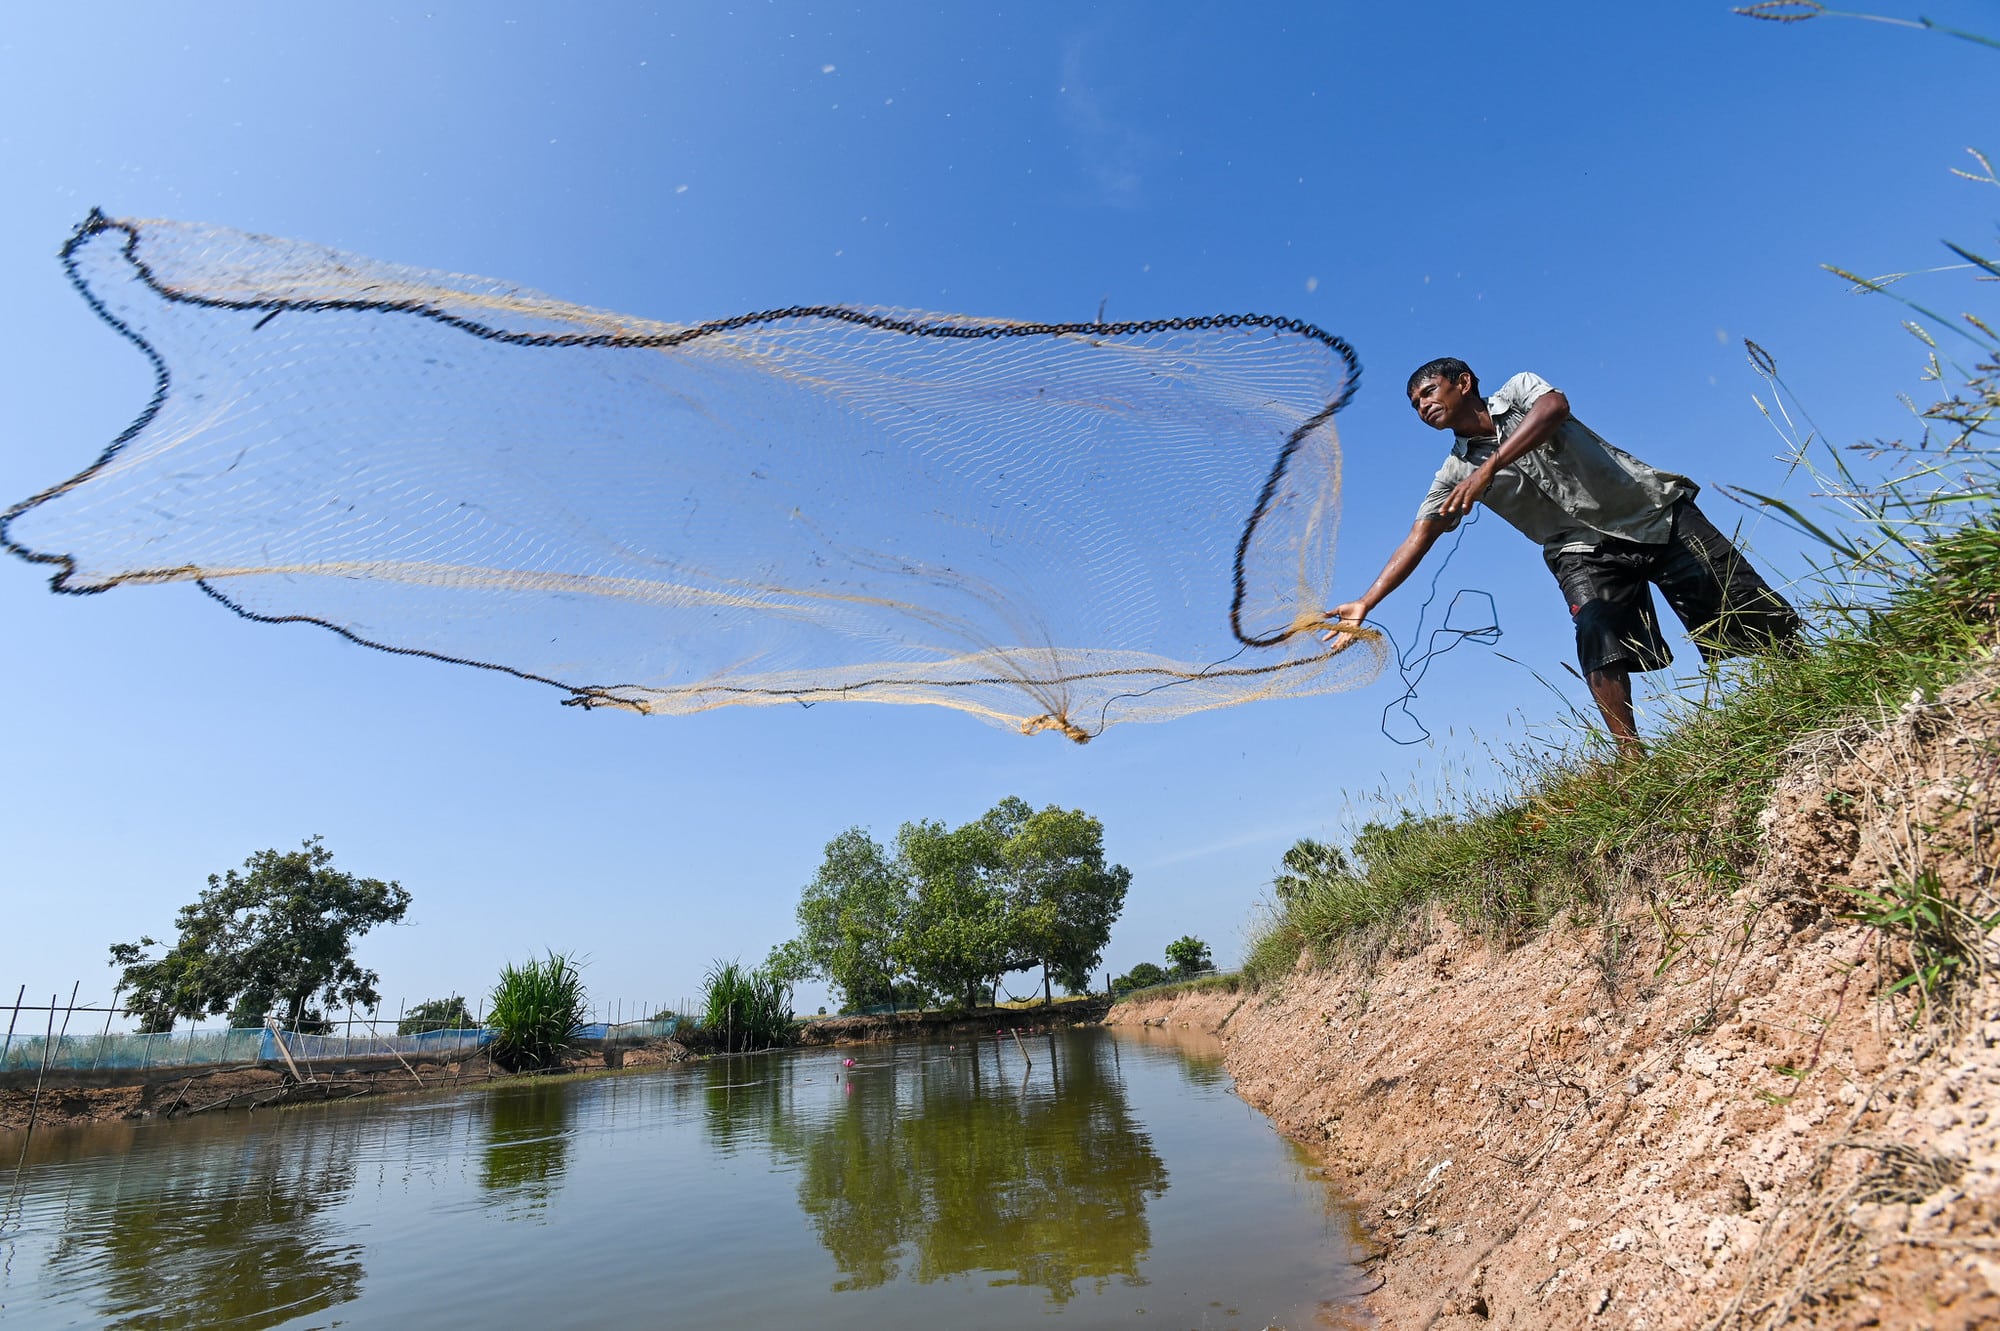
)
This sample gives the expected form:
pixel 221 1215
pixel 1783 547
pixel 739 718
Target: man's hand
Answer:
pixel 1348 616
pixel 1345 619
pixel 1467 493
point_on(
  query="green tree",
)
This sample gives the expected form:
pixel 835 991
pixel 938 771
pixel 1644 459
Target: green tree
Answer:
pixel 787 963
pixel 1307 865
pixel 1063 898
pixel 276 936
pixel 1188 955
pixel 1140 976
pixel 849 917
pixel 1377 845
pixel 958 936
pixel 951 910
pixel 437 1014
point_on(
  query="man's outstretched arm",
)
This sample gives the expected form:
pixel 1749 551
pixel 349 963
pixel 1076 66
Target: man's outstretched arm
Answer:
pixel 1423 535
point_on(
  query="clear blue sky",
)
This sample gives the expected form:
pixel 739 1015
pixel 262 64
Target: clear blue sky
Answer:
pixel 1611 195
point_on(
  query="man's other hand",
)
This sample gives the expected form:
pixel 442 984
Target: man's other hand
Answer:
pixel 1467 493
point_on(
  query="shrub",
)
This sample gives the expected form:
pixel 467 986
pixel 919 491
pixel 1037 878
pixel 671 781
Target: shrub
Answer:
pixel 746 1009
pixel 537 1009
pixel 1141 976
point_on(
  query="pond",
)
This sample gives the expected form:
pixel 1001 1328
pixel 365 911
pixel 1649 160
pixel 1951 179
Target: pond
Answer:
pixel 1115 1181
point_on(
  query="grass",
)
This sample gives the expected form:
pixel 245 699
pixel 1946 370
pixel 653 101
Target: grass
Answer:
pixel 1939 936
pixel 1690 804
pixel 537 1009
pixel 744 1009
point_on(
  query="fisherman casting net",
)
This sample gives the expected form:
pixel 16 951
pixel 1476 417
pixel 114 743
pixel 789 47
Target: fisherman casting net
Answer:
pixel 1050 526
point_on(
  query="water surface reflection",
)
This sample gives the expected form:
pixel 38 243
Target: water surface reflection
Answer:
pixel 924 1186
pixel 527 1145
pixel 941 1163
pixel 246 1233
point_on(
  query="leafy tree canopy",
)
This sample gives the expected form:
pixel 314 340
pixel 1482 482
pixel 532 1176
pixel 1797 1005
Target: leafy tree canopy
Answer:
pixel 275 937
pixel 848 917
pixel 957 935
pixel 949 910
pixel 1065 898
pixel 1188 955
pixel 1309 864
pixel 437 1014
pixel 1141 976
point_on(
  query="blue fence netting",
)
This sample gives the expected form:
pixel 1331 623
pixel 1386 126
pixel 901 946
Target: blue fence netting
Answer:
pixel 258 1044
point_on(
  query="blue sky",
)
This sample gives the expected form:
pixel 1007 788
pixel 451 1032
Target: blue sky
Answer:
pixel 1611 195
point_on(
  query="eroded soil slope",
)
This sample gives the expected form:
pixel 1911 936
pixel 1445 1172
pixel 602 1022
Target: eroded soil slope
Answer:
pixel 1694 1112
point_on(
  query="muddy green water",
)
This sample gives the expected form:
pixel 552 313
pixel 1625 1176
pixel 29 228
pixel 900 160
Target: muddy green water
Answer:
pixel 1115 1183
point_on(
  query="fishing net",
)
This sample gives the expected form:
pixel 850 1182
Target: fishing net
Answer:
pixel 1052 526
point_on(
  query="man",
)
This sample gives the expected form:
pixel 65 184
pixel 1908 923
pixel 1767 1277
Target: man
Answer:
pixel 1607 523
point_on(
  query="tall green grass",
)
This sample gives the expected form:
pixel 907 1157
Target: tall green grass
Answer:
pixel 1689 805
pixel 745 1008
pixel 537 1009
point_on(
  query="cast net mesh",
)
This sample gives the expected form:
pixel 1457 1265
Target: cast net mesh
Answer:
pixel 1051 526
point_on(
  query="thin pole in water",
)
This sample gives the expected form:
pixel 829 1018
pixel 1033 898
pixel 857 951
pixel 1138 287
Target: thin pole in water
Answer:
pixel 6 1048
pixel 105 1038
pixel 63 1034
pixel 48 1051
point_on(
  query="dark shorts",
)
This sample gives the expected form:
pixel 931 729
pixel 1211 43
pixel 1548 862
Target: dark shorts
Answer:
pixel 1727 608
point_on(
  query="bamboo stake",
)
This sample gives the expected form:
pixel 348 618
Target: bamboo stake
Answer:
pixel 273 1025
pixel 105 1036
pixel 48 1051
pixel 4 1049
pixel 376 1035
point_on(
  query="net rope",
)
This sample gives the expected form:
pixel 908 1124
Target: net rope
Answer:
pixel 1414 662
pixel 1053 526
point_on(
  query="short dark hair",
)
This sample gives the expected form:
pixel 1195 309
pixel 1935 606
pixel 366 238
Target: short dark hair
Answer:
pixel 1444 367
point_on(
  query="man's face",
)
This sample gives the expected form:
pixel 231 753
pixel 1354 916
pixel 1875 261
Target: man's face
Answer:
pixel 1443 402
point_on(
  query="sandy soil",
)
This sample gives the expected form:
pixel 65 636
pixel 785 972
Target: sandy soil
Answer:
pixel 1695 1113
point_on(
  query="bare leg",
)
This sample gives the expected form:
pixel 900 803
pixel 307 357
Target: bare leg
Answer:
pixel 1612 688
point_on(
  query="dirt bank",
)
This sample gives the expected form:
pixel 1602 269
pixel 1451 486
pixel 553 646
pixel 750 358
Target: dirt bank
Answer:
pixel 177 1092
pixel 939 1025
pixel 1692 1113
pixel 180 1092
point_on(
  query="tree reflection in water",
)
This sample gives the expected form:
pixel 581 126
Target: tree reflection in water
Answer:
pixel 938 1163
pixel 243 1233
pixel 528 1133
